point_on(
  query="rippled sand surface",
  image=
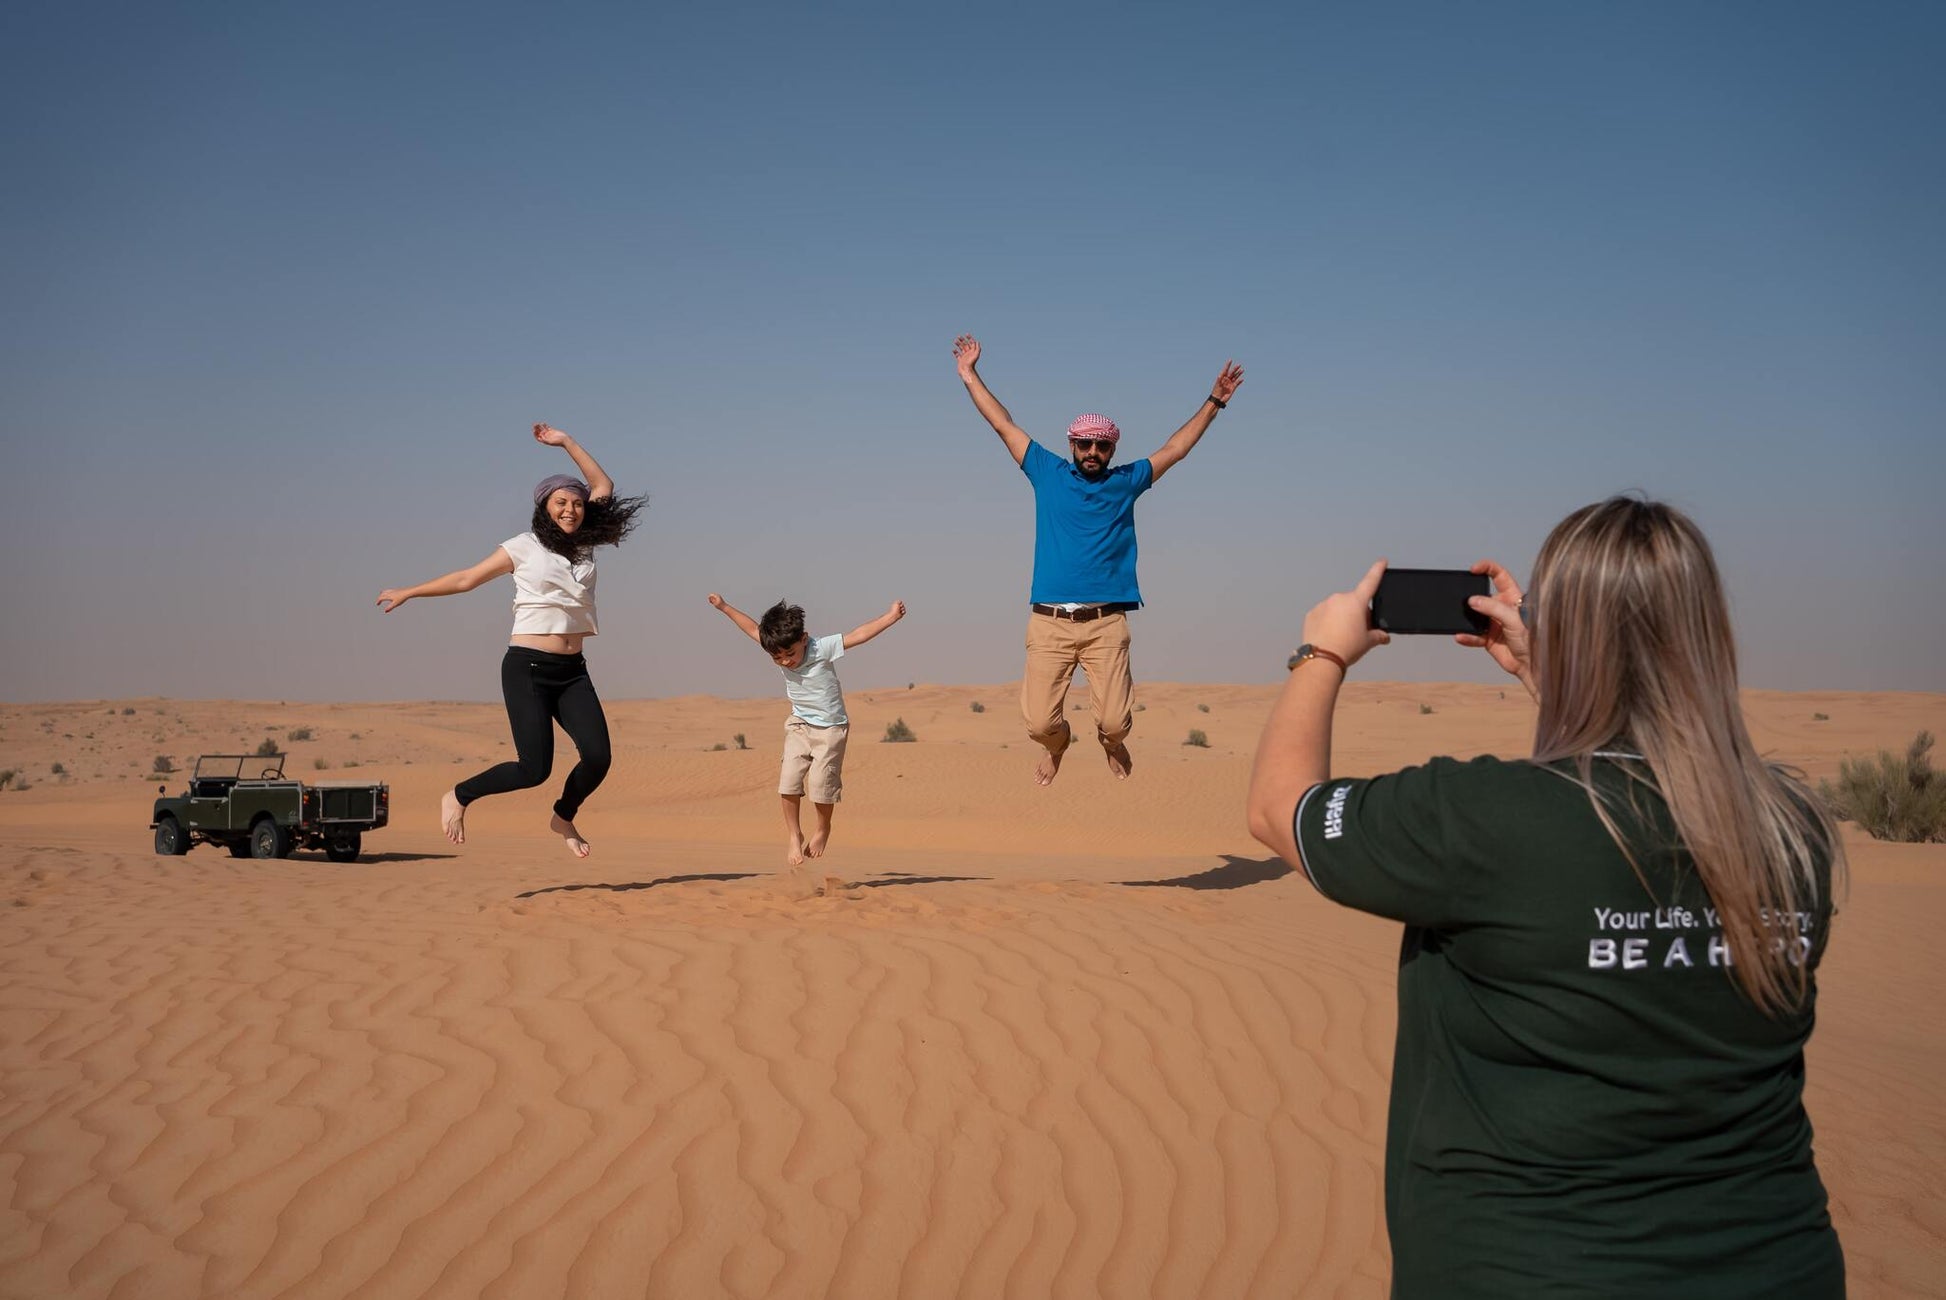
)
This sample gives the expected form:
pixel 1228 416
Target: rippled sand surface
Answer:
pixel 1084 1041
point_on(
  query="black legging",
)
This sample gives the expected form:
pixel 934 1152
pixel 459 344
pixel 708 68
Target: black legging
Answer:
pixel 541 687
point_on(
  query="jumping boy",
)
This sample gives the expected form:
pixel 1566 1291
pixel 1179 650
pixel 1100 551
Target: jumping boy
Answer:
pixel 814 735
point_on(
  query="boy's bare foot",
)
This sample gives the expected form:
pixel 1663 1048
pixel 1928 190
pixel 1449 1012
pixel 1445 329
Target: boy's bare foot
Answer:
pixel 814 846
pixel 794 851
pixel 1118 760
pixel 452 817
pixel 1050 765
pixel 565 829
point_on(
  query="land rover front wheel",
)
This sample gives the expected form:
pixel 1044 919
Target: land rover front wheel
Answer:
pixel 343 846
pixel 171 840
pixel 269 840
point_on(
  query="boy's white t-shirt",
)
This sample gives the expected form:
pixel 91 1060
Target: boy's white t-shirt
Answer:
pixel 815 693
pixel 551 595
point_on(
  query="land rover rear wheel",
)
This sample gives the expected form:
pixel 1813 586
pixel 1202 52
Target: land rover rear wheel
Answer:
pixel 269 840
pixel 343 846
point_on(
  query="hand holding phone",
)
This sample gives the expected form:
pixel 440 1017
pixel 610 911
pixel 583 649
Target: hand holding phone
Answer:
pixel 1416 602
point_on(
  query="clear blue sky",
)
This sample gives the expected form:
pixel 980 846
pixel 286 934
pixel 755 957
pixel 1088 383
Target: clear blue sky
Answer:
pixel 286 285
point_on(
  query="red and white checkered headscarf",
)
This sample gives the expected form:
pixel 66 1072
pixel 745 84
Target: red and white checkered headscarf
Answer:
pixel 1094 426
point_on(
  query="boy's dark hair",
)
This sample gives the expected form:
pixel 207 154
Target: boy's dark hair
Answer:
pixel 781 627
pixel 606 523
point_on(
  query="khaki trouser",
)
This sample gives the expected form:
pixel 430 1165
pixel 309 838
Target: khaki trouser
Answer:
pixel 1055 646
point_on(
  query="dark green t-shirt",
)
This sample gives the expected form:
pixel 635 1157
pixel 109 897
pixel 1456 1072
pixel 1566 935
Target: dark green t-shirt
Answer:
pixel 1582 1104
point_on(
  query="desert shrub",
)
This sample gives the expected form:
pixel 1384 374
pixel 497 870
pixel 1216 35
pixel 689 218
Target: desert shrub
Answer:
pixel 1202 708
pixel 977 707
pixel 356 736
pixel 1424 709
pixel 266 748
pixel 164 765
pixel 128 713
pixel 58 770
pixel 7 774
pixel 897 732
pixel 718 747
pixel 1820 717
pixel 300 733
pixel 1197 739
pixel 910 685
pixel 741 742
pixel 351 762
pixel 320 763
pixel 1893 796
pixel 1141 708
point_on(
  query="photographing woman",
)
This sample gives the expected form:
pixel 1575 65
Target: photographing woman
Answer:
pixel 1608 970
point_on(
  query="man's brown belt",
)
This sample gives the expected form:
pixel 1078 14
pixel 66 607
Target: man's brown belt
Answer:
pixel 1086 614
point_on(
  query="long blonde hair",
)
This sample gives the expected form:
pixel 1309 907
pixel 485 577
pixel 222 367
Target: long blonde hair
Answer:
pixel 1632 651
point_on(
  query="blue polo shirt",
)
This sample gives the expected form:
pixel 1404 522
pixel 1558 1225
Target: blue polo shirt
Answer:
pixel 1084 531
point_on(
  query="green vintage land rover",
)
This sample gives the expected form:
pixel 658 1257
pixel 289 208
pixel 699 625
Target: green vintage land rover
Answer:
pixel 245 803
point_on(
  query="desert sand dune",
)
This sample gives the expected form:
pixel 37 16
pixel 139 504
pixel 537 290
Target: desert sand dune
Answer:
pixel 1086 1041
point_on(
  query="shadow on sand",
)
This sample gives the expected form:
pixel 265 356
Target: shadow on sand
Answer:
pixel 645 884
pixel 365 859
pixel 878 882
pixel 1235 873
pixel 885 878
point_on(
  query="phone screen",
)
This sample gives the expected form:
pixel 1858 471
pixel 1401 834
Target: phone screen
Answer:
pixel 1429 601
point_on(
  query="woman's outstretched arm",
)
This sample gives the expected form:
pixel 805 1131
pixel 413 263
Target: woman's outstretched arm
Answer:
pixel 600 486
pixel 452 584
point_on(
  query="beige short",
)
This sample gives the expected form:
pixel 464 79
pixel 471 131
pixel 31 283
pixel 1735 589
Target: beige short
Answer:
pixel 814 761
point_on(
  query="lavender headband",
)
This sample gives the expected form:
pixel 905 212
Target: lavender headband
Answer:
pixel 547 487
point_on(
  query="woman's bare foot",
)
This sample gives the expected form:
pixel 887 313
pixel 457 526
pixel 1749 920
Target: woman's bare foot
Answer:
pixel 565 829
pixel 1050 765
pixel 452 817
pixel 794 851
pixel 1118 760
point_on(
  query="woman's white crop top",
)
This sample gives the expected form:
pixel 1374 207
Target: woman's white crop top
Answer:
pixel 550 594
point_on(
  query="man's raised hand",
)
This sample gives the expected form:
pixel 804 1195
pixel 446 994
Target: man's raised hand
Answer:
pixel 1226 383
pixel 897 611
pixel 966 351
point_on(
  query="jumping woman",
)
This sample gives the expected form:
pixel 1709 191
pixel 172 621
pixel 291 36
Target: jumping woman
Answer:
pixel 544 675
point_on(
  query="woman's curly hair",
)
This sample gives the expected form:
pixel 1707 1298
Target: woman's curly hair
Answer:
pixel 607 521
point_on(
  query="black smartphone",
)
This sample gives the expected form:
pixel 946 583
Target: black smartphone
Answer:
pixel 1429 601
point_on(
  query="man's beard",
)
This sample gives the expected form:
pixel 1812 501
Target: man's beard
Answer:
pixel 1100 467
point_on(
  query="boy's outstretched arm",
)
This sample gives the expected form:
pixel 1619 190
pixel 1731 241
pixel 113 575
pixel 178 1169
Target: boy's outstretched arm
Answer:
pixel 866 631
pixel 737 616
pixel 966 355
pixel 1190 434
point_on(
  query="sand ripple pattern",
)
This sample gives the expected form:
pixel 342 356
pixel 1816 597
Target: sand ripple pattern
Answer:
pixel 227 1080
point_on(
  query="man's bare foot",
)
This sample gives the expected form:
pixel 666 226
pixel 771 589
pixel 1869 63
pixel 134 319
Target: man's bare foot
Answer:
pixel 1118 760
pixel 794 851
pixel 452 817
pixel 565 829
pixel 1050 765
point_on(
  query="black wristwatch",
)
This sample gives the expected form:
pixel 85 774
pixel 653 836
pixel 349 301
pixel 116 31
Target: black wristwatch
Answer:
pixel 1221 405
